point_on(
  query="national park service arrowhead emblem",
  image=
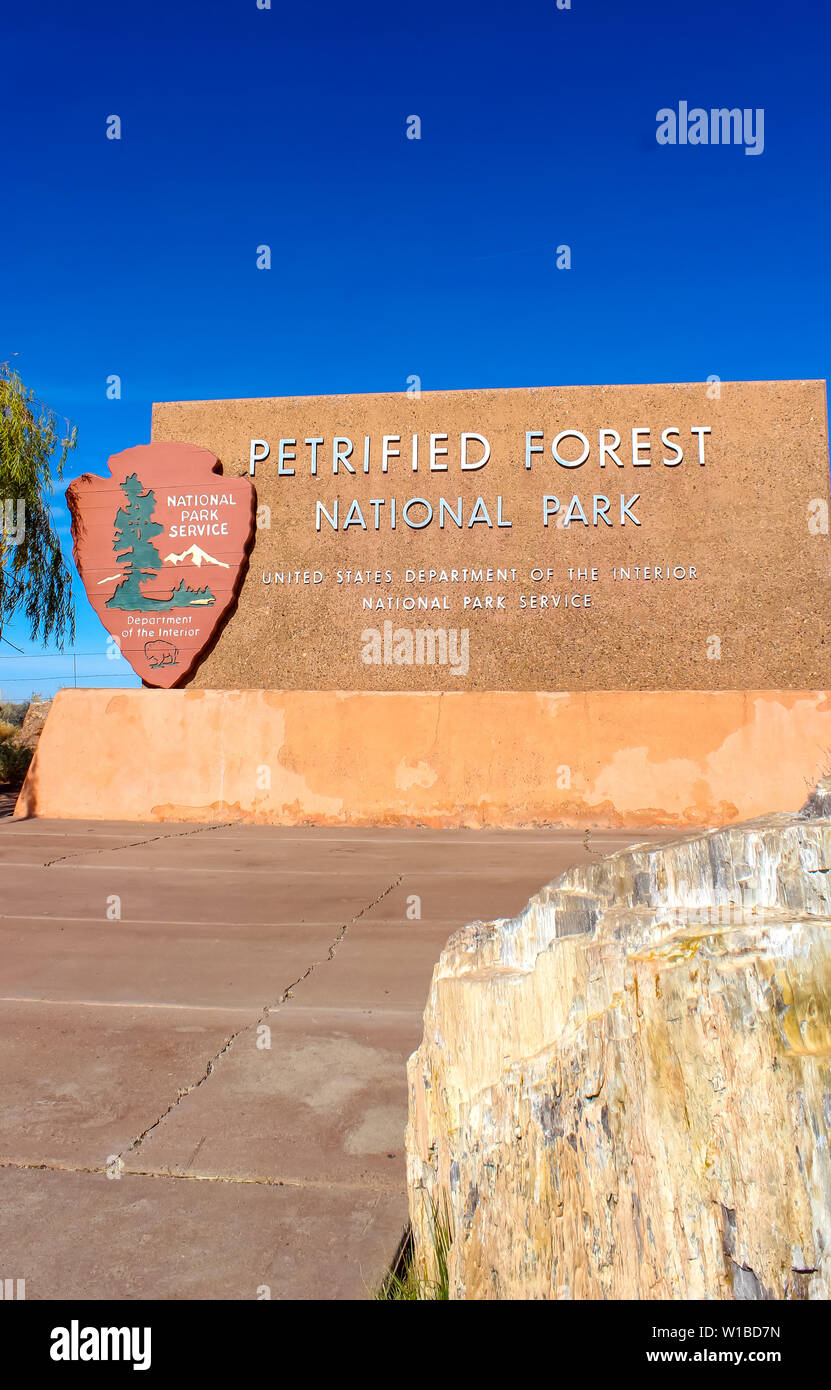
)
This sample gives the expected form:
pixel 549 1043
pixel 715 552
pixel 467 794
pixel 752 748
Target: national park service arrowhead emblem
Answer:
pixel 162 547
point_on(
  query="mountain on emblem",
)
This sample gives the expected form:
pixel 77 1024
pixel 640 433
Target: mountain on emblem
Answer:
pixel 196 555
pixel 121 527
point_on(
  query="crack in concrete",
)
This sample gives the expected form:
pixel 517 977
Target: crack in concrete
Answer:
pixel 267 1010
pixel 136 844
pixel 370 1183
pixel 330 955
pixel 163 1006
pixel 589 847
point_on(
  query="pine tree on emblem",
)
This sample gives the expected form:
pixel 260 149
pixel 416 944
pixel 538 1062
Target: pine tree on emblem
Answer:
pixel 134 532
pixel 133 543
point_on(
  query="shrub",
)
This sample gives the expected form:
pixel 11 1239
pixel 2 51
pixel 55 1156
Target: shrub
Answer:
pixel 13 712
pixel 14 764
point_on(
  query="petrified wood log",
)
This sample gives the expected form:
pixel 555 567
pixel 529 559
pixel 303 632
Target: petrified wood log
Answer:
pixel 625 1091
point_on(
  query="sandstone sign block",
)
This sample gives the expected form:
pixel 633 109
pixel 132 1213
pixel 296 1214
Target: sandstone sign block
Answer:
pixel 661 537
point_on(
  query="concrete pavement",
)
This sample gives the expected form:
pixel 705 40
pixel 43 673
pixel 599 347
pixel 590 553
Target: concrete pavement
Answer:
pixel 203 1038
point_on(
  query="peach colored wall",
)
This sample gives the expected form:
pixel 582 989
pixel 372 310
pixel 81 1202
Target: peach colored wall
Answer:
pixel 455 759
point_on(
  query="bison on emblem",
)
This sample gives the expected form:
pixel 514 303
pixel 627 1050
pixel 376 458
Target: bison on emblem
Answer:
pixel 161 653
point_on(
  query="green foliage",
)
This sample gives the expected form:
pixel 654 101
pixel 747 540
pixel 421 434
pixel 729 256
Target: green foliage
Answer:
pixel 408 1282
pixel 34 577
pixel 14 764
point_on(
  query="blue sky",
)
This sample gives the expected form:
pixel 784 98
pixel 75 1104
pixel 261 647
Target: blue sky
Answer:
pixel 393 257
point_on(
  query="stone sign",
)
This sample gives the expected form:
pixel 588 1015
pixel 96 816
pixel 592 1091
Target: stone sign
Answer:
pixel 551 539
pixel 161 546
